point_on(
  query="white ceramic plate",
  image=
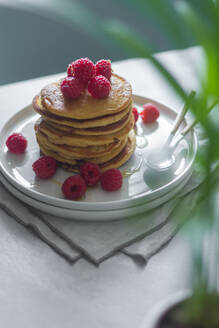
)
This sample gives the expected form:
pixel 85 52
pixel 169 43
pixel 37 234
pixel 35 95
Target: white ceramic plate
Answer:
pixel 18 169
pixel 110 215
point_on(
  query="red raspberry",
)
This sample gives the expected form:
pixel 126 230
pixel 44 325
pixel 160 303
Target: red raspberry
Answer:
pixel 70 70
pixel 150 113
pixel 111 180
pixel 71 87
pixel 135 113
pixel 91 173
pixel 84 70
pixel 16 143
pixel 74 187
pixel 99 87
pixel 103 67
pixel 45 167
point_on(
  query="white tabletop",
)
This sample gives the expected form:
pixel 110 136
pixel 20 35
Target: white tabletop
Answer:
pixel 39 288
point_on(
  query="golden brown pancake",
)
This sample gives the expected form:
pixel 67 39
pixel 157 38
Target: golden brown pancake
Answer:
pixel 97 160
pixel 59 158
pixel 115 162
pixel 86 129
pixel 62 138
pixel 86 106
pixel 123 156
pixel 76 152
pixel 95 131
pixel 81 124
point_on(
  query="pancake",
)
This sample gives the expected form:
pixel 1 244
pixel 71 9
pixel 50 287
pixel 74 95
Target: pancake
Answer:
pixel 86 129
pixel 59 158
pixel 98 160
pixel 62 138
pixel 115 162
pixel 86 106
pixel 76 152
pixel 123 156
pixel 95 131
pixel 107 157
pixel 81 124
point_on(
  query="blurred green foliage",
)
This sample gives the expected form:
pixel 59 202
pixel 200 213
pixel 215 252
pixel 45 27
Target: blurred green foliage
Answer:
pixel 201 20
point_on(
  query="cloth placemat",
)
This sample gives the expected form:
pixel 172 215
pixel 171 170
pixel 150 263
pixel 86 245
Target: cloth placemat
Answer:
pixel 139 237
pixel 144 250
pixel 98 241
pixel 23 214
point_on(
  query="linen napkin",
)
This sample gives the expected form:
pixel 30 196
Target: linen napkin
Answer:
pixel 144 250
pixel 139 237
pixel 97 241
pixel 23 214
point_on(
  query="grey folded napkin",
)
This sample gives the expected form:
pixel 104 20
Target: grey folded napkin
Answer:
pixel 139 237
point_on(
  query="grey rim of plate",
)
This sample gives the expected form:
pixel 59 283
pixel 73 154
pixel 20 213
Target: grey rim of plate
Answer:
pixel 109 205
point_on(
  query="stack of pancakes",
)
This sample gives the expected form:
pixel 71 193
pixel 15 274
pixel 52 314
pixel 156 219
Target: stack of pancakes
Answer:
pixel 86 129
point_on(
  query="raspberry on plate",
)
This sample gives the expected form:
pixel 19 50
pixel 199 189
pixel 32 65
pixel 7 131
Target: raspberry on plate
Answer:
pixel 84 69
pixel 45 167
pixel 111 180
pixel 71 87
pixel 74 187
pixel 16 143
pixel 135 113
pixel 150 113
pixel 70 70
pixel 91 173
pixel 103 67
pixel 99 87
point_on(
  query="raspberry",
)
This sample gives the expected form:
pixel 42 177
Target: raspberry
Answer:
pixel 74 187
pixel 71 87
pixel 70 70
pixel 91 173
pixel 16 143
pixel 135 113
pixel 45 167
pixel 150 113
pixel 111 180
pixel 103 67
pixel 84 70
pixel 99 87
